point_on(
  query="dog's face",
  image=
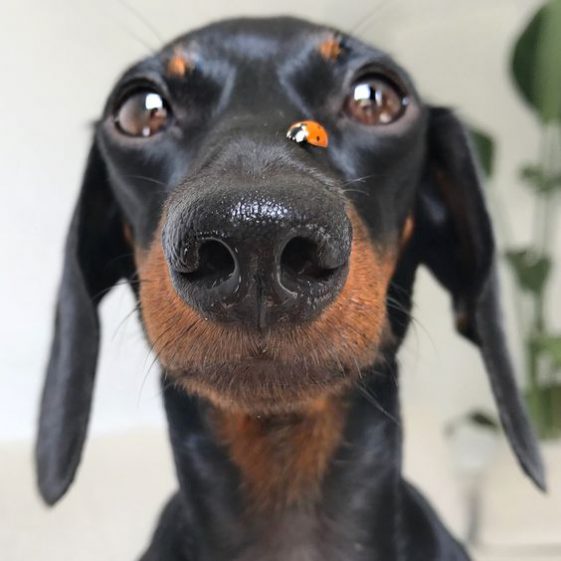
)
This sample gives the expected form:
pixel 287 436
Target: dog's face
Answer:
pixel 263 264
pixel 270 273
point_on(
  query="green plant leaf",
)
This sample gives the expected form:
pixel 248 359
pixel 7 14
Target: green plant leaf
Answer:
pixel 483 419
pixel 530 270
pixel 477 417
pixel 485 149
pixel 535 62
pixel 534 177
pixel 551 346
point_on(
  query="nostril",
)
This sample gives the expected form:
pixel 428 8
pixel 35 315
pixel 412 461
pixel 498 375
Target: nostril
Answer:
pixel 300 260
pixel 215 264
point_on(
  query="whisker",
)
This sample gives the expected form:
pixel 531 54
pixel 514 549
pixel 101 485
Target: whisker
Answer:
pixel 352 30
pixel 144 21
pixel 371 398
pixel 148 179
pixel 125 319
pixel 380 9
pixel 359 191
pixel 130 33
pixel 119 257
pixel 121 282
pixel 154 359
pixel 362 178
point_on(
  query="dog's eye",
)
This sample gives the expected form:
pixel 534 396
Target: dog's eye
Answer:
pixel 143 113
pixel 375 101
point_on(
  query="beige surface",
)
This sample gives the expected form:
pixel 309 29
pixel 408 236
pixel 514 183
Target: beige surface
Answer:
pixel 124 481
pixel 109 513
pixel 122 484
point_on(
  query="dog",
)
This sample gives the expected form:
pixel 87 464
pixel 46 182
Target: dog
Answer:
pixel 274 274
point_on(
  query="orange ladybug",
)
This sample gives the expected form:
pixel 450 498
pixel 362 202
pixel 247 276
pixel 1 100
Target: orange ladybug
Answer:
pixel 310 132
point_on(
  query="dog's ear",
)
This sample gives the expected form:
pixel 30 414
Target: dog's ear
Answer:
pixel 95 258
pixel 456 240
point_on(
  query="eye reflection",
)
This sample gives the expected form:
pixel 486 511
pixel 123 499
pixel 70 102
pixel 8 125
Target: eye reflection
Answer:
pixel 142 114
pixel 375 101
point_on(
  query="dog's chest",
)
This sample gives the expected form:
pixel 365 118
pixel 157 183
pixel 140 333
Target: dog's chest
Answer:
pixel 292 536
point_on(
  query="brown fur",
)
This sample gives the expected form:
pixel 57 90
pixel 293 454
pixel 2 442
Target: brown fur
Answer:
pixel 282 459
pixel 407 231
pixel 127 233
pixel 179 65
pixel 276 371
pixel 330 48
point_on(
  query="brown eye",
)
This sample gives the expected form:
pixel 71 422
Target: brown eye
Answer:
pixel 143 113
pixel 375 101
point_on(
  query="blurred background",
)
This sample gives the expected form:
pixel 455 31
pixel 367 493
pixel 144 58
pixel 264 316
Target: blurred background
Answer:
pixel 59 59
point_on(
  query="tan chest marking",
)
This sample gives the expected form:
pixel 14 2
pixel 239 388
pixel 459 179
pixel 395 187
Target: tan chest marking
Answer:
pixel 283 458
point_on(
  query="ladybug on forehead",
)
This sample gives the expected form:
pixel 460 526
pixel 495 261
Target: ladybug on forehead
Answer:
pixel 308 132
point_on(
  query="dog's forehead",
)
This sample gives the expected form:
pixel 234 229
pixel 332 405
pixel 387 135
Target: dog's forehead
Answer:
pixel 257 38
pixel 272 33
pixel 278 40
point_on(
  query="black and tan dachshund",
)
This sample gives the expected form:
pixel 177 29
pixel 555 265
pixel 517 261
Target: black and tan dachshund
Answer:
pixel 274 277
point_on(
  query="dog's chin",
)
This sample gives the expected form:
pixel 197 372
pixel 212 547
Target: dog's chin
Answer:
pixel 260 386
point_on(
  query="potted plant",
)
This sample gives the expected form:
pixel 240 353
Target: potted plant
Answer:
pixel 536 72
pixel 511 513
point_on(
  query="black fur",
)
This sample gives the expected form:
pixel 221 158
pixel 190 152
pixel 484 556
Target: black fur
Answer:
pixel 252 79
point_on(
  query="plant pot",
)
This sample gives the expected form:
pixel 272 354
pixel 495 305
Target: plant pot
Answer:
pixel 516 519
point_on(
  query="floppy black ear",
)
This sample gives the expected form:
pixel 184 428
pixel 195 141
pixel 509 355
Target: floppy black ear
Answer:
pixel 458 247
pixel 95 258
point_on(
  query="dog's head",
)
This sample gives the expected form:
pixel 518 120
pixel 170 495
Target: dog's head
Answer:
pixel 270 273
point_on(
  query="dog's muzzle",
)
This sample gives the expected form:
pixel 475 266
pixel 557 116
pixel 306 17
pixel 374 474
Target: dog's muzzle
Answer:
pixel 258 256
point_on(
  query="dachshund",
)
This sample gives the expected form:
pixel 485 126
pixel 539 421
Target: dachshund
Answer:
pixel 268 188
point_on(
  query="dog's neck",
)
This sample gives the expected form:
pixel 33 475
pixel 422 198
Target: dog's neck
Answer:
pixel 325 479
pixel 282 458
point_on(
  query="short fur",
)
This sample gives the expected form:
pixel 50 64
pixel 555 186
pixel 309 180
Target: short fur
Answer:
pixel 286 437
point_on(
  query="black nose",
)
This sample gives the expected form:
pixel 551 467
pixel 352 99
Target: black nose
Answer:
pixel 258 256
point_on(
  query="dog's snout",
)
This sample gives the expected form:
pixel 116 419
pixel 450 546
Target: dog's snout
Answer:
pixel 258 257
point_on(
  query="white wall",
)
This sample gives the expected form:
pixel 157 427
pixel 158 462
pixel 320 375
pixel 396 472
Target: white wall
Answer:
pixel 58 59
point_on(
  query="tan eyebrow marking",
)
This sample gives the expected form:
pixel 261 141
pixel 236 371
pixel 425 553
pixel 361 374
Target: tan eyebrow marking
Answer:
pixel 407 231
pixel 179 64
pixel 330 48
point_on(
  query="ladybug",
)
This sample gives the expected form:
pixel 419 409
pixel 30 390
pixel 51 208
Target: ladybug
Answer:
pixel 309 132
